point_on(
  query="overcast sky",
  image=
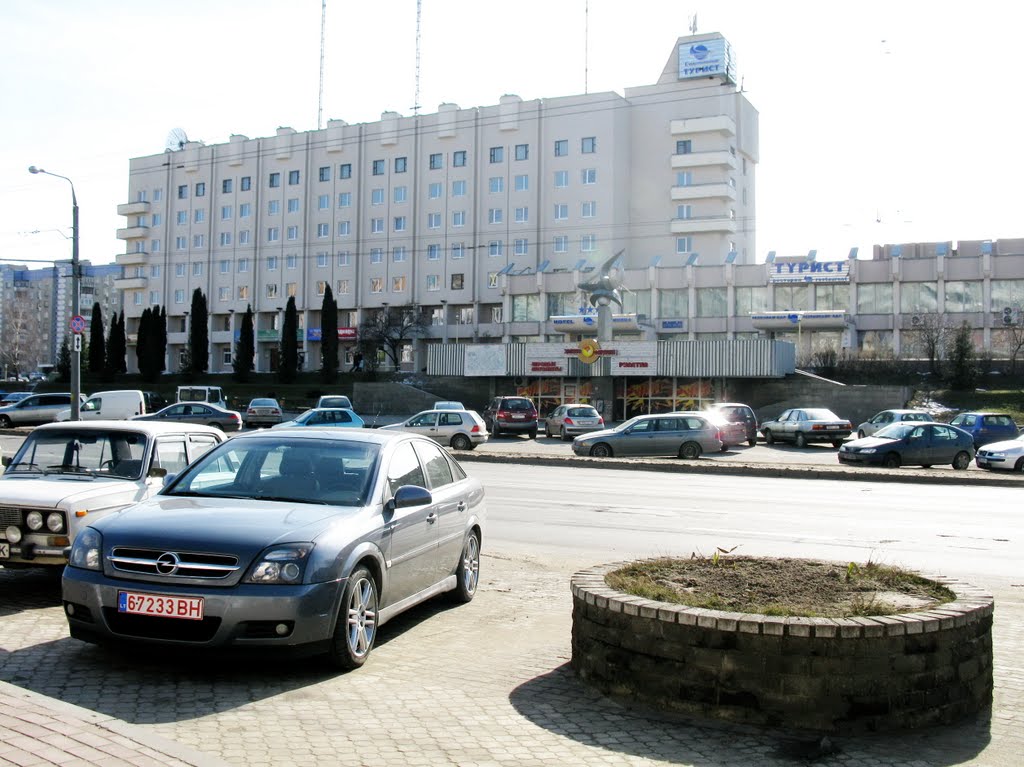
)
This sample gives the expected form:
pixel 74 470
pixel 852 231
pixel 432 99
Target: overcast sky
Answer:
pixel 891 121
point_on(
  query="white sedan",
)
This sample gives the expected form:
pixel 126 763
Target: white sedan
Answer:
pixel 1008 454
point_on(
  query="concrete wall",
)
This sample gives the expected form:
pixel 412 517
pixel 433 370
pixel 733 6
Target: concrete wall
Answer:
pixel 770 397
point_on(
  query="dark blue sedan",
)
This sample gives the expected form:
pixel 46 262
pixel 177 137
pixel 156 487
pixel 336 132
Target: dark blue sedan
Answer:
pixel 911 444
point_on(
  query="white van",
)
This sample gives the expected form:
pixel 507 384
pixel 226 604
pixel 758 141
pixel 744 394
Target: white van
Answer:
pixel 118 405
pixel 212 394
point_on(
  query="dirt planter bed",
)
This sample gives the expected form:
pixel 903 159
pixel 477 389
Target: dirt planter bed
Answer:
pixel 829 675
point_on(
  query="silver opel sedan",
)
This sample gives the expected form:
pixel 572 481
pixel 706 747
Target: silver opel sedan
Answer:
pixel 304 541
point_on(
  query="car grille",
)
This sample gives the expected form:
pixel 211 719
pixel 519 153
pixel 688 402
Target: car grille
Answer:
pixel 12 515
pixel 164 563
pixel 149 627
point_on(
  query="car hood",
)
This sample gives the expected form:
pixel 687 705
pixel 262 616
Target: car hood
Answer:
pixel 1005 446
pixel 595 435
pixel 218 524
pixel 393 426
pixel 68 491
pixel 860 444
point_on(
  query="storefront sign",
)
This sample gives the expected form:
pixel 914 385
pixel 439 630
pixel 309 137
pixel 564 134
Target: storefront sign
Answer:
pixel 672 326
pixel 587 323
pixel 808 271
pixel 547 367
pixel 791 320
pixel 589 351
pixel 344 334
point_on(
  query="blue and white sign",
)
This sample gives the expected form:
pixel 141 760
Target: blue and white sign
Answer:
pixel 672 326
pixel 808 271
pixel 707 58
pixel 583 323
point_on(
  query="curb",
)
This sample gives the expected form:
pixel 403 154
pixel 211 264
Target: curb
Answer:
pixel 795 471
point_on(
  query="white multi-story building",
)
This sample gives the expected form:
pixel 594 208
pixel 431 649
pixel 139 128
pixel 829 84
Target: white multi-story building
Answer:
pixel 440 211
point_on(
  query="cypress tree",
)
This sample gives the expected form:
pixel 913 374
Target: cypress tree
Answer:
pixel 97 348
pixel 329 337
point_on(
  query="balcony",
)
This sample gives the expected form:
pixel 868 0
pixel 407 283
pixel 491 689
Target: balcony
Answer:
pixel 718 124
pixel 133 209
pixel 714 191
pixel 703 224
pixel 723 158
pixel 133 233
pixel 130 283
pixel 130 259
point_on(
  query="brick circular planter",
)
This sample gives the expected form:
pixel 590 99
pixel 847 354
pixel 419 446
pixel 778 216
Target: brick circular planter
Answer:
pixel 837 676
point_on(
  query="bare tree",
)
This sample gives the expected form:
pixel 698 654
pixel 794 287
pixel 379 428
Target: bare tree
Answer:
pixel 1014 336
pixel 934 333
pixel 392 329
pixel 18 323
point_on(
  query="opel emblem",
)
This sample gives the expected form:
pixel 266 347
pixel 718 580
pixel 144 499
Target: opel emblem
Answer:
pixel 167 563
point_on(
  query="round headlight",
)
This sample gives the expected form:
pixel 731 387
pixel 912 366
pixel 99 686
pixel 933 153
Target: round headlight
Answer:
pixel 13 534
pixel 34 520
pixel 290 572
pixel 55 522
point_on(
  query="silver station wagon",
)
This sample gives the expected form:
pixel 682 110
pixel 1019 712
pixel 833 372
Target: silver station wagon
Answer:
pixel 304 541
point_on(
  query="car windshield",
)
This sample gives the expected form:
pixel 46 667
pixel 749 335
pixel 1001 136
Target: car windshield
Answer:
pixel 93 452
pixel 820 414
pixel 337 472
pixel 581 412
pixel 517 404
pixel 896 430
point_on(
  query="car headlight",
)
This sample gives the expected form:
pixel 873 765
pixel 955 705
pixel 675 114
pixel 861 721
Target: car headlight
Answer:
pixel 997 455
pixel 55 522
pixel 870 450
pixel 34 520
pixel 86 551
pixel 283 564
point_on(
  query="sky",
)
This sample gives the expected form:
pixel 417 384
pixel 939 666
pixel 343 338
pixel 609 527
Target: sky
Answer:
pixel 880 122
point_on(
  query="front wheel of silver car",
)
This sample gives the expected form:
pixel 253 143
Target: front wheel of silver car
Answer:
pixel 356 628
pixel 468 571
pixel 5 422
pixel 961 460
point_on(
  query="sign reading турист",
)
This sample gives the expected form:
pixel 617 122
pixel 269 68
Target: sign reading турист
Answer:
pixel 808 271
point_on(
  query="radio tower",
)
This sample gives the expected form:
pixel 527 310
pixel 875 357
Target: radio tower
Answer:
pixel 320 103
pixel 416 96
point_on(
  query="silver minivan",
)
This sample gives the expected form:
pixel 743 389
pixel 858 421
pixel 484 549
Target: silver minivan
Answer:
pixel 459 429
pixel 36 409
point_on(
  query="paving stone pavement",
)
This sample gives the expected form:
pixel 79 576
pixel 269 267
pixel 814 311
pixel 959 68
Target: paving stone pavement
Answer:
pixel 481 685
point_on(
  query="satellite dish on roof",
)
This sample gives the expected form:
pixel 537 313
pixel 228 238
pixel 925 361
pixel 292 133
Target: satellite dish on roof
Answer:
pixel 176 140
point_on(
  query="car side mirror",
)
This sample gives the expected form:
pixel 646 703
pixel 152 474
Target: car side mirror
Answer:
pixel 409 495
pixel 6 460
pixel 157 471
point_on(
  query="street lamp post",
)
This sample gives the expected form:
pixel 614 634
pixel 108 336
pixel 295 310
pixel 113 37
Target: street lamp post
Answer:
pixel 76 354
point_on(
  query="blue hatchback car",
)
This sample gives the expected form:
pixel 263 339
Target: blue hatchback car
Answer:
pixel 986 427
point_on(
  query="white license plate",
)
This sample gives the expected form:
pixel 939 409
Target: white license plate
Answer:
pixel 5 551
pixel 518 416
pixel 833 427
pixel 160 605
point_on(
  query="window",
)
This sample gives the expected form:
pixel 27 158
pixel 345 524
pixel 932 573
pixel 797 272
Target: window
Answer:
pixel 224 265
pixel 376 255
pixel 243 292
pixel 459 218
pixel 293 205
pixel 561 179
pixel 179 296
pixel 243 264
pixel 459 158
pixel 181 243
pixel 345 170
pixel 457 282
pixel 684 212
pixel 181 217
pixel 918 297
pixel 673 303
pixel 321 260
pixel 325 173
pixel 157 219
pixel 275 180
pixel 154 246
pixel 274 207
pixel 401 163
pixel 344 286
pixel 243 237
pixel 526 308
pixel 293 177
pixel 154 297
pixel 200 189
pixel 271 263
pixel 183 192
pixel 137 297
pixel 521 247
pixel 835 297
pixel 684 244
pixel 562 148
pixel 344 258
pixel 684 178
pixel 292 232
pixel 323 202
pixel 225 238
pixel 245 210
pixel 497 154
pixel 226 212
pixel 158 195
pixel 376 196
pixel 1006 293
pixel 376 225
pixel 458 189
pixel 399 223
pixel 561 244
pixel 588 243
pixel 271 290
pixel 198 240
pixel 522 151
pixel 245 184
pixel 588 209
pixel 588 145
pixel 398 254
pixel 398 284
pixel 323 230
pixel 400 193
pixel 434 190
pixel 792 297
pixel 492 279
pixel 224 294
pixel 378 167
pixel 273 234
pixel 522 215
pixel 376 284
pixel 433 252
pixel 711 302
pixel 345 200
pixel 561 211
pixel 291 289
pixel 199 215
pixel 495 216
pixel 458 250
pixel 522 183
pixel 436 161
pixel 225 186
pixel 344 228
pixel 588 176
pixel 496 184
pixel 433 282
pixel 433 221
pixel 496 248
pixel 684 146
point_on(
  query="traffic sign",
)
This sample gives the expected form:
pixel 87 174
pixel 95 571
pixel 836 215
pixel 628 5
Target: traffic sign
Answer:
pixel 76 343
pixel 78 324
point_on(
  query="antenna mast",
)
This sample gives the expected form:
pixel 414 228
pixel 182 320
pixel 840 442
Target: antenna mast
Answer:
pixel 320 103
pixel 586 47
pixel 416 96
pixel 693 24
